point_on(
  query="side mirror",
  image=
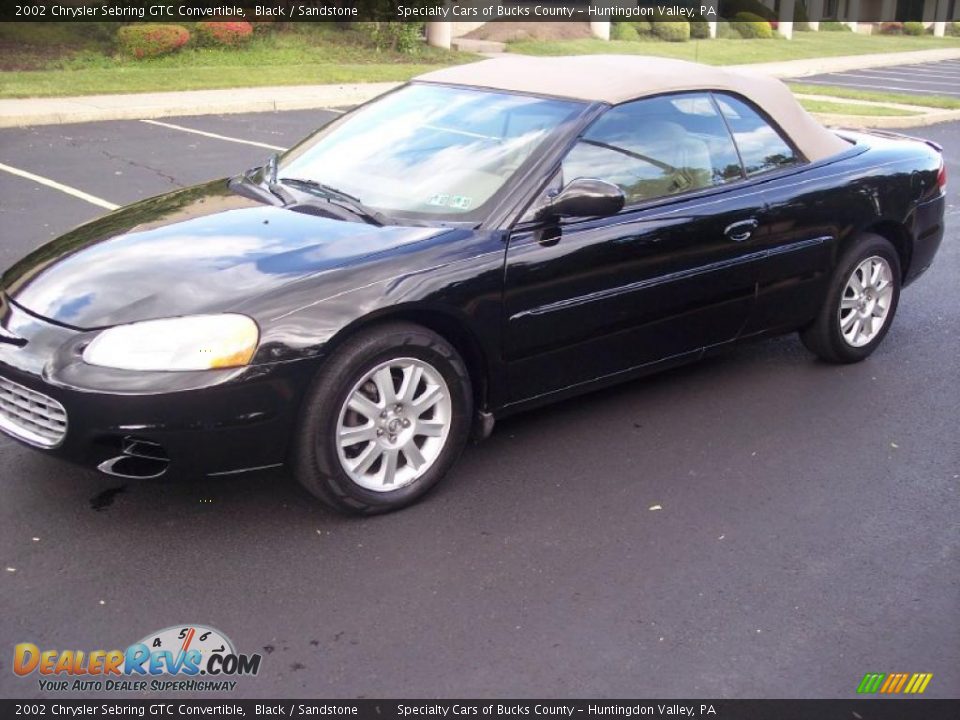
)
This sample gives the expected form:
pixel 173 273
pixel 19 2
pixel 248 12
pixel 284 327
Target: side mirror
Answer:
pixel 584 197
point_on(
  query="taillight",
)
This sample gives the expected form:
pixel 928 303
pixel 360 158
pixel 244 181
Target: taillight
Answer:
pixel 942 176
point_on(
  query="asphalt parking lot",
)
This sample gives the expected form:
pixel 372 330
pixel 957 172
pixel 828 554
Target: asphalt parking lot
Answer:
pixel 938 78
pixel 807 530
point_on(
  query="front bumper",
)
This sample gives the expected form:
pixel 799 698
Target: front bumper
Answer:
pixel 198 423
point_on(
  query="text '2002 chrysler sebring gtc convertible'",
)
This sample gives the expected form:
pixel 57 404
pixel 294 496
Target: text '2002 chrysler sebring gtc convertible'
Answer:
pixel 482 240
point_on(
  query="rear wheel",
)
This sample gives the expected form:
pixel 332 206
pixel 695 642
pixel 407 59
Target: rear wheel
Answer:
pixel 860 303
pixel 385 420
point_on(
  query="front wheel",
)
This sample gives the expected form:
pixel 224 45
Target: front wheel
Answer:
pixel 385 420
pixel 860 303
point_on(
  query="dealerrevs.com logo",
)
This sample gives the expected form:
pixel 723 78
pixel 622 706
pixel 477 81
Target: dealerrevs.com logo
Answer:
pixel 187 658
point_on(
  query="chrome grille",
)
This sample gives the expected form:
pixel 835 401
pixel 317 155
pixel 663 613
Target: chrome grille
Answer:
pixel 31 416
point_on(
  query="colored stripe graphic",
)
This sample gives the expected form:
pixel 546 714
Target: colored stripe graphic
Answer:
pixel 871 682
pixel 918 683
pixel 894 683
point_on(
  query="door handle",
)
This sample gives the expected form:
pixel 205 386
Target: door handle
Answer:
pixel 740 231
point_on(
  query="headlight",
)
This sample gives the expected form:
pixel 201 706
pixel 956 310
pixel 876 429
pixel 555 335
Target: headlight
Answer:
pixel 199 342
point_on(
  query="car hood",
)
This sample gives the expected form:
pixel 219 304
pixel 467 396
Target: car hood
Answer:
pixel 199 250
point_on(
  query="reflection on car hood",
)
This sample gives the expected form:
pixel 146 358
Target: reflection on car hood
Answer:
pixel 203 249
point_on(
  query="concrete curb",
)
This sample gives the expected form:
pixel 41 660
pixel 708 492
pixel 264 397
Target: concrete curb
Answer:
pixel 141 106
pixel 488 47
pixel 887 121
pixel 90 108
pixel 923 115
pixel 919 109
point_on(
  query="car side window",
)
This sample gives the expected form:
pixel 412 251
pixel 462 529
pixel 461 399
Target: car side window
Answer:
pixel 761 146
pixel 657 147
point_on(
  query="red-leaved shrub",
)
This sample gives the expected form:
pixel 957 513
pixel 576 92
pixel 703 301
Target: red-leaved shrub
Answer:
pixel 150 40
pixel 223 33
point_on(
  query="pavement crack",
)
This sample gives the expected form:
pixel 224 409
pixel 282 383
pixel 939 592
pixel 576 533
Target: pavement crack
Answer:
pixel 169 178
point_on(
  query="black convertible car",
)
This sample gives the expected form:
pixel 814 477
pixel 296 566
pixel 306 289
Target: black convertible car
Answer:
pixel 484 239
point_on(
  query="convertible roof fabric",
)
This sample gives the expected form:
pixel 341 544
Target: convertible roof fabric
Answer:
pixel 616 79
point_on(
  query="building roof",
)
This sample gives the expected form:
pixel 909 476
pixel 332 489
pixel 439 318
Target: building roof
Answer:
pixel 615 79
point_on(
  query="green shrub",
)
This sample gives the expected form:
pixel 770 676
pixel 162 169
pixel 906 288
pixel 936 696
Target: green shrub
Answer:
pixel 623 31
pixel 148 40
pixel 400 36
pixel 913 28
pixel 644 28
pixel 699 29
pixel 751 17
pixel 222 34
pixel 726 31
pixel 98 32
pixel 262 26
pixel 752 26
pixel 834 26
pixel 672 30
pixel 953 29
pixel 732 8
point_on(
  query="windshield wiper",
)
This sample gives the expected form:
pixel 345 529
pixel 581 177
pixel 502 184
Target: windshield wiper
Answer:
pixel 268 177
pixel 270 169
pixel 336 197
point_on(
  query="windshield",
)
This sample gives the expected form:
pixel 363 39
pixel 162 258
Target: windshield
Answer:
pixel 430 151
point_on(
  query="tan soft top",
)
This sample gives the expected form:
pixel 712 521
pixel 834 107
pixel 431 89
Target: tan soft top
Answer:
pixel 616 79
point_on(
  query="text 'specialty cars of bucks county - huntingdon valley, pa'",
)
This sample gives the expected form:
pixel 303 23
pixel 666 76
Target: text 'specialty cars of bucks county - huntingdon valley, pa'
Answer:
pixel 484 239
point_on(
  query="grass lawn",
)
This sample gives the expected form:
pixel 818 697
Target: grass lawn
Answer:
pixel 837 108
pixel 733 52
pixel 935 101
pixel 95 81
pixel 49 59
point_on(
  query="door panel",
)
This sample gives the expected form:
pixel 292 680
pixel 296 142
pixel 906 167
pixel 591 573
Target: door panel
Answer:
pixel 593 298
pixel 800 223
pixel 802 227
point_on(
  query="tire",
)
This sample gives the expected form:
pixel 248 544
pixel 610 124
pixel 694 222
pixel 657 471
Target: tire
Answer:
pixel 406 443
pixel 834 335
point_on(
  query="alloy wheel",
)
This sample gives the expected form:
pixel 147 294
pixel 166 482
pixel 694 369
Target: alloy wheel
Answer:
pixel 865 303
pixel 394 424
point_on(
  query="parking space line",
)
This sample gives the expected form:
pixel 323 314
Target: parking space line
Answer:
pixel 863 86
pixel 92 199
pixel 938 67
pixel 215 136
pixel 937 70
pixel 950 71
pixel 912 78
pixel 943 76
pixel 876 76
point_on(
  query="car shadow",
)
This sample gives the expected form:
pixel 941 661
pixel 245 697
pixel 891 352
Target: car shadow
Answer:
pixel 519 443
